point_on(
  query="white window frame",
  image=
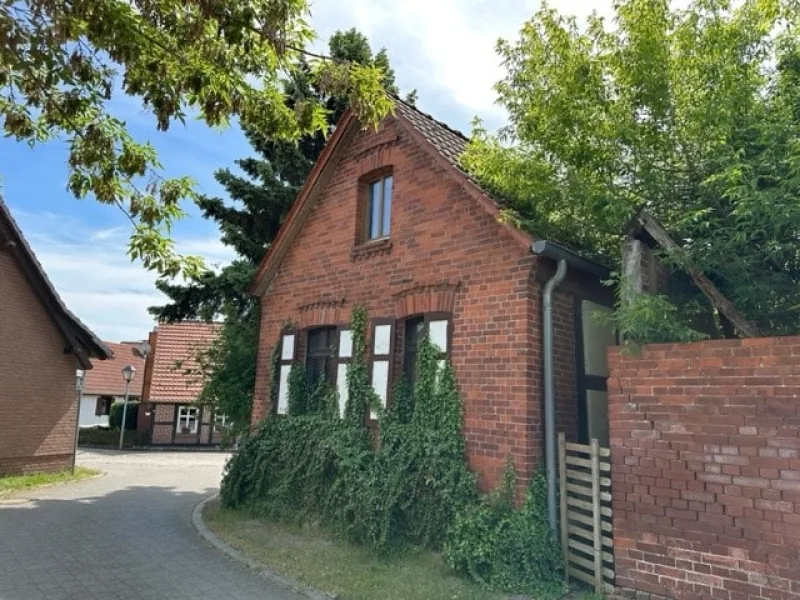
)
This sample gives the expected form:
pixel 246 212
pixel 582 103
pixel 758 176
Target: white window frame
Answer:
pixel 382 182
pixel 220 421
pixel 344 354
pixel 288 351
pixel 188 414
pixel 381 359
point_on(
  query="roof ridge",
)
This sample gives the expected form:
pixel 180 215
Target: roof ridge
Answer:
pixel 429 116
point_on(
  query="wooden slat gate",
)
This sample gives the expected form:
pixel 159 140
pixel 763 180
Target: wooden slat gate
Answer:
pixel 586 528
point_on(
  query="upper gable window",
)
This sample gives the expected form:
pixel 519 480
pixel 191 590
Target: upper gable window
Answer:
pixel 379 207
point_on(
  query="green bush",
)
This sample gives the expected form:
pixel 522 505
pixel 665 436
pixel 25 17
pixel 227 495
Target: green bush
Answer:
pixel 95 436
pixel 411 485
pixel 642 318
pixel 505 548
pixel 131 417
pixel 313 465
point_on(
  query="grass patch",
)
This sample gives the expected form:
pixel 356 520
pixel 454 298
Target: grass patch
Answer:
pixel 335 566
pixel 19 483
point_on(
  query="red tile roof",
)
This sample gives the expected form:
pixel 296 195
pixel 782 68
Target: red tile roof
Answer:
pixel 175 349
pixel 105 377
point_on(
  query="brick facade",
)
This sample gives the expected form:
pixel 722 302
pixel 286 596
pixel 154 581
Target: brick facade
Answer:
pixel 706 469
pixel 446 253
pixel 38 400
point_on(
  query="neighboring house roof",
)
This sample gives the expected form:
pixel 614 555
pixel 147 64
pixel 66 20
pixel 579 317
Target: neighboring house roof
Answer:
pixel 447 143
pixel 105 379
pixel 174 354
pixel 81 341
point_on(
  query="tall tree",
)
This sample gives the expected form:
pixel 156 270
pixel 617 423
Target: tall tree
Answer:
pixel 62 62
pixel 260 199
pixel 692 113
pixel 249 221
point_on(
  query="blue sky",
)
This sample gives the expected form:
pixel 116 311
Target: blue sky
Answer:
pixel 443 48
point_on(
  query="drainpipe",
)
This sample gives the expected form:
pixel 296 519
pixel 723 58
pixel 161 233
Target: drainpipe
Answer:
pixel 549 394
pixel 563 257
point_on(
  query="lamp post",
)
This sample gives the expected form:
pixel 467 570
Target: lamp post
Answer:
pixel 128 371
pixel 79 377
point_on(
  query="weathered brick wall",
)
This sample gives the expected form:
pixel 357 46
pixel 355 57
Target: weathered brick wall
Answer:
pixel 563 363
pixel 706 469
pixel 37 380
pixel 442 239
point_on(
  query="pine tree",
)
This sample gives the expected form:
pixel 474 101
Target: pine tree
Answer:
pixel 264 195
pixel 259 201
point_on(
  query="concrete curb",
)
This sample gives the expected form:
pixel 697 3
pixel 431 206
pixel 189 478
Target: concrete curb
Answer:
pixel 240 557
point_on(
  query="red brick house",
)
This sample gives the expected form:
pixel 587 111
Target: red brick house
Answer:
pixel 388 219
pixel 169 409
pixel 44 345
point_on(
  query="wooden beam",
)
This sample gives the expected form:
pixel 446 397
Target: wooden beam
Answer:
pixel 745 327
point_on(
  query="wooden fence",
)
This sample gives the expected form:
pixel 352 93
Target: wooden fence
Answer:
pixel 586 527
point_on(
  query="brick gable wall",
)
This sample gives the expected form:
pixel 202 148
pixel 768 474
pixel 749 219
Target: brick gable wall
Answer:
pixel 37 380
pixel 706 469
pixel 445 252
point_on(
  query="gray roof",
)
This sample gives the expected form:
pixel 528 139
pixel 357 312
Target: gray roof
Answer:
pixel 449 142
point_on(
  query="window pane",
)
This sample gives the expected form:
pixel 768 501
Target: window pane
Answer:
pixel 341 386
pixel 316 368
pixel 375 210
pixel 438 333
pixel 382 341
pixel 283 390
pixel 410 343
pixel 597 337
pixel 597 417
pixel 318 341
pixel 387 205
pixel 380 381
pixel 345 343
pixel 413 329
pixel 287 349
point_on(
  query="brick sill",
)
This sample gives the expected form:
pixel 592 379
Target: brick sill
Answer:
pixel 369 249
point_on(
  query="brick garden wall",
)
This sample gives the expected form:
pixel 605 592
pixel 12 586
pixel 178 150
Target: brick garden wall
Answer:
pixel 706 469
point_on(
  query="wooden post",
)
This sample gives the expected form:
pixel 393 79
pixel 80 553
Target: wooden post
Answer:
pixel 596 518
pixel 562 489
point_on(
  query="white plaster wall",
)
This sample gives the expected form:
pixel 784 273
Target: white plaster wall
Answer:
pixel 88 418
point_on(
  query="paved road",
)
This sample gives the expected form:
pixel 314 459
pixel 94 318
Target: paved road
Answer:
pixel 124 536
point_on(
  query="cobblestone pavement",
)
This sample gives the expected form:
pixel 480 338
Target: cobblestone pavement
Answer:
pixel 126 535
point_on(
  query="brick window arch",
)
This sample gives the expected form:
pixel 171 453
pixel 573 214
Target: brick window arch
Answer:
pixel 422 299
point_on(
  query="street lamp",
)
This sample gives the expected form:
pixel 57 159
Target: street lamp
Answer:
pixel 79 378
pixel 128 371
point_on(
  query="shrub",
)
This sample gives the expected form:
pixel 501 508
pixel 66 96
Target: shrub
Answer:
pixel 641 318
pixel 411 485
pixel 131 417
pixel 504 548
pixel 313 465
pixel 96 436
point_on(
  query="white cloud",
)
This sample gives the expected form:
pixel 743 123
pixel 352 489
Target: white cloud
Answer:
pixel 443 48
pixel 95 278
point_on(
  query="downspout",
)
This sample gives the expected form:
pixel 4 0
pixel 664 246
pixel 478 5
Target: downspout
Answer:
pixel 549 394
pixel 562 257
